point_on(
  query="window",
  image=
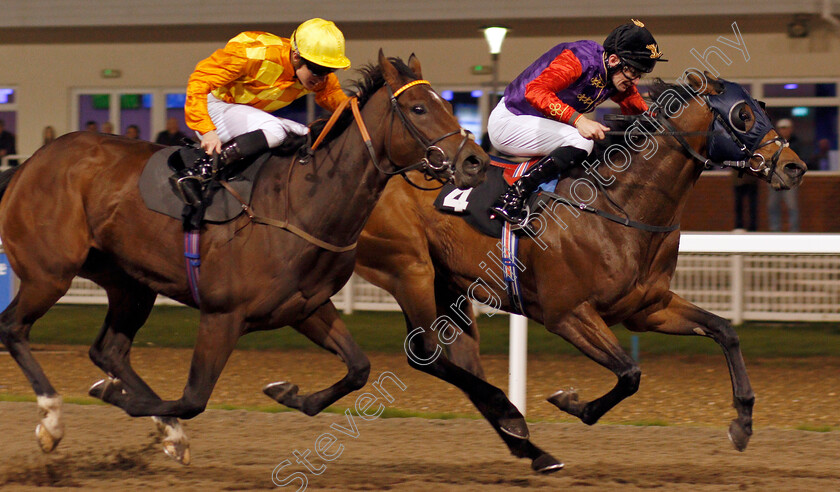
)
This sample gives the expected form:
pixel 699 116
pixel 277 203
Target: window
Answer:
pixel 465 105
pixel 94 108
pixel 175 109
pixel 8 115
pixel 793 89
pixel 813 107
pixel 136 110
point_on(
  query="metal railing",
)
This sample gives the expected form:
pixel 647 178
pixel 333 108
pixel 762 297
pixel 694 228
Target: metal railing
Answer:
pixel 4 161
pixel 735 285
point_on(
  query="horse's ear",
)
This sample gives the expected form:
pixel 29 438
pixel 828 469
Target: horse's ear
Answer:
pixel 698 81
pixel 414 65
pixel 714 83
pixel 388 71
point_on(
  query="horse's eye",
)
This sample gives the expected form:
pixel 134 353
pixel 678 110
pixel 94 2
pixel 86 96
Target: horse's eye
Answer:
pixel 741 117
pixel 418 109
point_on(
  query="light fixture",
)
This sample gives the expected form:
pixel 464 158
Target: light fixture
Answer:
pixel 798 28
pixel 495 36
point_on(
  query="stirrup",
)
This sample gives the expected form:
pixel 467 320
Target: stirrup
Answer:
pixel 506 207
pixel 501 213
pixel 189 188
pixel 524 223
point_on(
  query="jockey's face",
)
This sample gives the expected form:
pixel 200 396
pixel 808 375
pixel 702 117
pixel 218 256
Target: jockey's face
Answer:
pixel 312 80
pixel 625 78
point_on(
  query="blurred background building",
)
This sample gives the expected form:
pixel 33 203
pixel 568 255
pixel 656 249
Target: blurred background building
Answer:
pixel 66 63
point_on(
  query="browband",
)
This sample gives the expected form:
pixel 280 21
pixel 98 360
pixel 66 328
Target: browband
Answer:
pixel 410 85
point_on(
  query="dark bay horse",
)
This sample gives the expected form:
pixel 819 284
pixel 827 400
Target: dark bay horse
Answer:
pixel 74 209
pixel 584 274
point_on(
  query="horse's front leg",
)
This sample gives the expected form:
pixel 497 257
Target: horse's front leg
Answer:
pixel 676 316
pixel 325 328
pixel 586 330
pixel 464 350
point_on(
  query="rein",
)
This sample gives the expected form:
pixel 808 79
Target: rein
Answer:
pixel 658 124
pixel 625 221
pixel 426 164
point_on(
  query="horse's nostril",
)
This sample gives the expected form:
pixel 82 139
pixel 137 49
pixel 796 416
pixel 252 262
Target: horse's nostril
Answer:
pixel 794 169
pixel 472 164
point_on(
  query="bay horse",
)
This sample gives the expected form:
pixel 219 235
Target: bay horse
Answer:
pixel 582 273
pixel 74 209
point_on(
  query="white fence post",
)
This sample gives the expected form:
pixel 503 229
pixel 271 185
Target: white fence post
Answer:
pixel 348 296
pixel 518 361
pixel 737 289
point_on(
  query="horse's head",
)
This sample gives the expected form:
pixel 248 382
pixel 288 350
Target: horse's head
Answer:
pixel 429 136
pixel 742 131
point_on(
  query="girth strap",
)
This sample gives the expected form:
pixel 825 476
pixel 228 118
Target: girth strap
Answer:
pixel 284 224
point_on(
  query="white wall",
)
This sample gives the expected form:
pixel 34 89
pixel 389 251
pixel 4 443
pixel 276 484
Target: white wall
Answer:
pixel 45 74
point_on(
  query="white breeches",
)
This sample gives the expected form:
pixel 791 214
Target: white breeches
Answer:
pixel 232 120
pixel 527 136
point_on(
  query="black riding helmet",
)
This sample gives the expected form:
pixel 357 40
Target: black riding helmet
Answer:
pixel 634 44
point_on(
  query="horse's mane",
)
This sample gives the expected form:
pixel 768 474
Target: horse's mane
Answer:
pixel 656 89
pixel 659 86
pixel 372 80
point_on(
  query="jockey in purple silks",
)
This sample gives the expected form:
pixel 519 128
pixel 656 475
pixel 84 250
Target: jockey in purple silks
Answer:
pixel 542 111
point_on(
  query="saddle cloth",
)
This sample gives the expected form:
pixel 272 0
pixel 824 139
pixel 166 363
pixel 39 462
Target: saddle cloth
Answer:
pixel 159 196
pixel 473 204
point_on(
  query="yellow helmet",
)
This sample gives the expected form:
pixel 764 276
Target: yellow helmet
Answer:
pixel 320 42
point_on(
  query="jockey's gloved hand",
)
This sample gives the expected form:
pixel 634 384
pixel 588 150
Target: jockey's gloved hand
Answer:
pixel 292 143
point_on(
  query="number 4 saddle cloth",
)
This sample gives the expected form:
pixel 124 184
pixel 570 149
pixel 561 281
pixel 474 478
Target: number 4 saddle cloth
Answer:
pixel 473 204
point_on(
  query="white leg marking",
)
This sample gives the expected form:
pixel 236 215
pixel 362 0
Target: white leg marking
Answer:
pixel 49 409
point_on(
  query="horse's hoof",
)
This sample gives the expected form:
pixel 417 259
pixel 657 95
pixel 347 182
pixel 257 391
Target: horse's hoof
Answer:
pixel 51 428
pixel 178 451
pixel 176 445
pixel 97 389
pixel 738 435
pixel 514 427
pixel 568 401
pixel 546 464
pixel 104 389
pixel 46 441
pixel 281 391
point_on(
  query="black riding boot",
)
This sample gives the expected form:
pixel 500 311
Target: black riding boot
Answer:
pixel 509 205
pixel 189 182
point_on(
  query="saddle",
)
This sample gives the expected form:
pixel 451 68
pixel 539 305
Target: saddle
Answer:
pixel 473 204
pixel 222 206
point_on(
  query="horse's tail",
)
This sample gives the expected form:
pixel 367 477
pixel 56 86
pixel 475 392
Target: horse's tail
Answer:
pixel 5 178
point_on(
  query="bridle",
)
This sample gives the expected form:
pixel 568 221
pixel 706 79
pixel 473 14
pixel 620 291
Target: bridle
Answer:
pixel 727 146
pixel 735 149
pixel 435 164
pixel 427 164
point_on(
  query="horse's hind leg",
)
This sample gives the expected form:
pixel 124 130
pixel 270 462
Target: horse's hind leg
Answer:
pixel 15 323
pixel 676 316
pixel 325 328
pixel 129 306
pixel 585 329
pixel 217 336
